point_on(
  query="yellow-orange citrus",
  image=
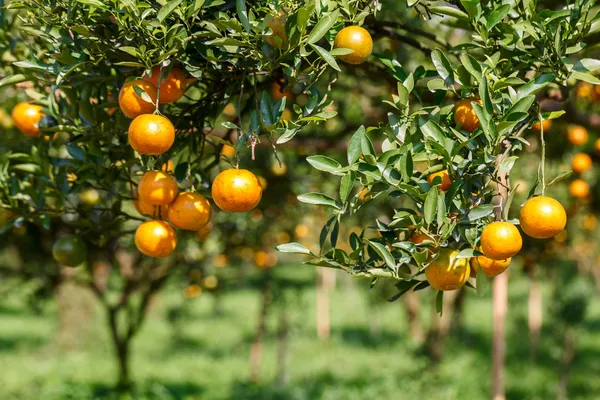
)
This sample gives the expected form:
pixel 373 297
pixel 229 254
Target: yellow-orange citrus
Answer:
pixel 581 162
pixel 597 146
pixel 464 115
pixel 447 272
pixel 446 182
pixel 355 38
pixel 579 189
pixel 168 166
pixel 151 134
pixel 278 92
pixel 189 211
pixel 26 118
pixel 542 217
pixel 585 90
pixel 547 124
pixel 155 239
pixel 277 24
pixel 148 209
pixel 131 103
pixel 578 135
pixel 228 151
pixel 172 86
pixel 490 267
pixel 500 240
pixel 236 190
pixel 157 188
pixel 193 290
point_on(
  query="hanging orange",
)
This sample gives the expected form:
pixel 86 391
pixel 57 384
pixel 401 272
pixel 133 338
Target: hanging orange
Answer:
pixel 354 38
pixel 447 272
pixel 542 217
pixel 490 267
pixel 500 240
pixel 131 103
pixel 579 189
pixel 172 86
pixel 578 135
pixel 27 117
pixel 464 115
pixel 189 211
pixel 547 124
pixel 156 239
pixel 236 190
pixel 151 134
pixel 157 188
pixel 446 182
pixel 148 209
pixel 581 162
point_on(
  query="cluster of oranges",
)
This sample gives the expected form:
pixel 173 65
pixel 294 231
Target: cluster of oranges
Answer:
pixel 541 217
pixel 581 162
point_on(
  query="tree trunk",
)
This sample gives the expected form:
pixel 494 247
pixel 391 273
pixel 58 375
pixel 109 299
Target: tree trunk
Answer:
pixel 534 314
pixel 121 346
pixel 568 356
pixel 282 348
pixel 412 302
pixel 256 351
pixel 499 308
pixel 325 277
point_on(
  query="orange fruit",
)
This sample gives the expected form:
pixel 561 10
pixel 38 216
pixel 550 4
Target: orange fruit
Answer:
pixel 236 190
pixel 464 115
pixel 228 151
pixel 155 239
pixel 542 217
pixel 419 237
pixel 447 272
pixel 547 124
pixel 172 86
pixel 279 91
pixel 579 188
pixel 229 110
pixel 277 24
pixel 189 211
pixel 578 135
pixel 151 134
pixel 490 267
pixel 193 290
pixel 500 240
pixel 446 182
pixel 148 209
pixel 597 146
pixel 168 166
pixel 301 231
pixel 581 162
pixel 220 260
pixel 585 90
pixel 157 188
pixel 355 38
pixel 133 105
pixel 26 118
pixel 69 251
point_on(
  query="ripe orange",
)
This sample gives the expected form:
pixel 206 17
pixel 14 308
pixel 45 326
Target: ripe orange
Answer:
pixel 578 135
pixel 286 115
pixel 581 162
pixel 446 182
pixel 193 290
pixel 228 151
pixel 168 166
pixel 597 146
pixel 148 209
pixel 155 238
pixel 547 124
pixel 277 24
pixel 500 240
pixel 133 105
pixel 27 118
pixel 151 134
pixel 579 189
pixel 354 38
pixel 464 115
pixel 69 251
pixel 157 188
pixel 236 190
pixel 172 86
pixel 447 272
pixel 189 211
pixel 264 259
pixel 542 217
pixel 220 260
pixel 490 267
pixel 279 91
pixel 586 91
pixel 419 237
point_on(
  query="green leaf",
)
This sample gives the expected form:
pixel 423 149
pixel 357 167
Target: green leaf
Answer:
pixel 384 253
pixel 181 171
pixel 75 152
pixel 318 199
pixel 481 282
pixel 497 16
pixel 430 206
pixel 323 163
pixel 355 147
pixel 581 76
pixel 450 11
pixel 472 65
pixel 243 14
pixel 586 65
pixel 13 80
pixel 560 177
pixel 346 185
pixel 536 85
pixel 323 26
pixel 93 3
pixel 167 9
pixel 326 56
pixel 293 248
pixel 481 211
pixel 443 66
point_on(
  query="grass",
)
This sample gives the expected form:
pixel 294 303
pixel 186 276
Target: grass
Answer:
pixel 205 355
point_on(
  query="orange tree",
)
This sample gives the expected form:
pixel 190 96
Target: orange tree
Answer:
pixel 454 131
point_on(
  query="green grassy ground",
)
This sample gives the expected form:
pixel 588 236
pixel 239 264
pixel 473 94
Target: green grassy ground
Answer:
pixel 208 358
